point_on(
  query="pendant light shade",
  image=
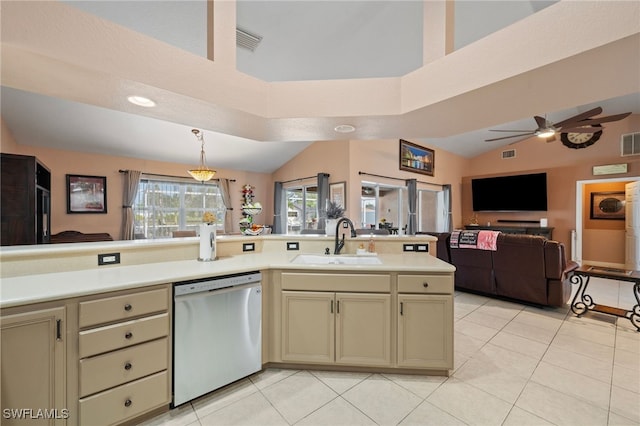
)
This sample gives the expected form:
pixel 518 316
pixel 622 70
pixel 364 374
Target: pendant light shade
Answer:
pixel 202 173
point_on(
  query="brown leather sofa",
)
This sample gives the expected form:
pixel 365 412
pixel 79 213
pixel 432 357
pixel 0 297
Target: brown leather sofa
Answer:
pixel 528 268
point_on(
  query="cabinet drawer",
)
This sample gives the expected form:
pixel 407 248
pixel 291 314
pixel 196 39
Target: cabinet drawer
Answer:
pixel 123 307
pixel 123 334
pixel 377 283
pixel 124 402
pixel 115 368
pixel 425 284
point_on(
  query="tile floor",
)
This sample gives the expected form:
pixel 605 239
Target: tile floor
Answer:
pixel 514 365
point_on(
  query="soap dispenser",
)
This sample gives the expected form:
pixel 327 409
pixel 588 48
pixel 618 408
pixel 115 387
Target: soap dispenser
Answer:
pixel 372 246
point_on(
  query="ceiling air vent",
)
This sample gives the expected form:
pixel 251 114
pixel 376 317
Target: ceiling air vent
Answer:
pixel 630 144
pixel 246 40
pixel 510 153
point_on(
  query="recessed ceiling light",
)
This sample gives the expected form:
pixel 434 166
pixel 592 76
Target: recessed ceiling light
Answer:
pixel 345 128
pixel 141 101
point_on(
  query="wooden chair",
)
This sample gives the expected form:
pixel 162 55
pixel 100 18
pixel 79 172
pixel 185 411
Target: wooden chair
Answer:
pixel 79 237
pixel 180 234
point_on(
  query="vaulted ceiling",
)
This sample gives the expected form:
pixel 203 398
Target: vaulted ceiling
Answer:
pixel 67 69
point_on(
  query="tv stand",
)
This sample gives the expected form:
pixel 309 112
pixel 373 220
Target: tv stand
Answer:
pixel 530 230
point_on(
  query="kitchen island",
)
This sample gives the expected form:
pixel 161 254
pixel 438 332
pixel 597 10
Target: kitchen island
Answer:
pixel 395 315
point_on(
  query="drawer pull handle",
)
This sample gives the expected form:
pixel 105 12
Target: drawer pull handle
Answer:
pixel 129 335
pixel 128 403
pixel 425 284
pixel 127 307
pixel 128 366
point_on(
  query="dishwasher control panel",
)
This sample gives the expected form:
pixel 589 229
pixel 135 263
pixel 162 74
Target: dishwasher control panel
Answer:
pixel 215 283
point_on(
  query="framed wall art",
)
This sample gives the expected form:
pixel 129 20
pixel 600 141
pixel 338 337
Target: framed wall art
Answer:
pixel 607 205
pixel 86 194
pixel 416 158
pixel 338 193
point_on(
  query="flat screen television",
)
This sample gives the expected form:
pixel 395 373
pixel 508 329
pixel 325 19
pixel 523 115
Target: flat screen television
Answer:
pixel 510 193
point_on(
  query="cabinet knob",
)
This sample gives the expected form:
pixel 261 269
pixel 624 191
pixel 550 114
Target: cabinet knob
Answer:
pixel 129 335
pixel 128 366
pixel 127 307
pixel 425 284
pixel 128 403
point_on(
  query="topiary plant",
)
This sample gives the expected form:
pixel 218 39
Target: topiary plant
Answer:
pixel 334 210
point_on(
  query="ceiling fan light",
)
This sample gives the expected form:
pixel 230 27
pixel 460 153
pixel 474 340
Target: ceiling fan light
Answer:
pixel 202 173
pixel 545 133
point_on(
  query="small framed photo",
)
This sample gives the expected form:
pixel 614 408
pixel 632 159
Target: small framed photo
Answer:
pixel 416 158
pixel 86 194
pixel 338 193
pixel 607 205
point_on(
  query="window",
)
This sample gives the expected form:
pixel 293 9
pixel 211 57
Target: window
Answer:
pixel 302 208
pixel 164 206
pixel 383 206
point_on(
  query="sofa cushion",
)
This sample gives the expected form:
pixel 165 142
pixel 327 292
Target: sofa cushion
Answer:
pixel 474 269
pixel 519 268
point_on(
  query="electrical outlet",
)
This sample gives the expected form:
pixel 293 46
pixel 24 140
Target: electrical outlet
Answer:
pixel 293 245
pixel 108 259
pixel 248 247
pixel 422 247
pixel 408 247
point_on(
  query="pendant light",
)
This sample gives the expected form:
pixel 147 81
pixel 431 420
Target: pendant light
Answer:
pixel 202 173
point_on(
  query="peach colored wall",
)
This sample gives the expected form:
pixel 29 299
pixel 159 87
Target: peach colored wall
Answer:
pixel 344 160
pixel 67 162
pixel 602 240
pixel 564 167
pixel 321 157
pixel 381 157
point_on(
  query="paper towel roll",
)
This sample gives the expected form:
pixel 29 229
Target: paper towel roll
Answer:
pixel 207 242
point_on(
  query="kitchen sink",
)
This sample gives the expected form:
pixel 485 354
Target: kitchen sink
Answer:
pixel 319 259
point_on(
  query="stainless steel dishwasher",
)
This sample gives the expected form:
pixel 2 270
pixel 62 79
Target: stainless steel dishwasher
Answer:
pixel 217 333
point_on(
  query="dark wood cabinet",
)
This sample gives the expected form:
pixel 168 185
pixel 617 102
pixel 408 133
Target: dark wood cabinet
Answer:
pixel 530 230
pixel 25 200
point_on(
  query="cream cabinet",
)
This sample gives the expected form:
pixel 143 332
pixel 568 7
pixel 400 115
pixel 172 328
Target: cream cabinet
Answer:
pixel 425 321
pixel 123 355
pixel 336 328
pixel 33 367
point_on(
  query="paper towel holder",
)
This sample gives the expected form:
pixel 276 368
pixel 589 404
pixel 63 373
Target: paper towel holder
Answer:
pixel 207 249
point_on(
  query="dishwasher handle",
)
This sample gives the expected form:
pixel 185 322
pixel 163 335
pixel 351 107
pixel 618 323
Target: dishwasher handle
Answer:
pixel 205 293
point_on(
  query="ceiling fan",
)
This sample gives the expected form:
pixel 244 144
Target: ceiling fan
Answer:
pixel 581 123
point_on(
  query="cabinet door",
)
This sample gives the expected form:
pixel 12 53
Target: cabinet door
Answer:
pixel 33 366
pixel 363 329
pixel 425 331
pixel 308 326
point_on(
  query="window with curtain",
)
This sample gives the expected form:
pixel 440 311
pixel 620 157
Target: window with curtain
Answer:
pixel 164 206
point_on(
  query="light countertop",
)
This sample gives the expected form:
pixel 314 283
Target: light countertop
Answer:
pixel 30 289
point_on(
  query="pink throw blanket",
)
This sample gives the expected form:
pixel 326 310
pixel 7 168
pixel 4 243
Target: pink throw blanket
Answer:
pixel 481 239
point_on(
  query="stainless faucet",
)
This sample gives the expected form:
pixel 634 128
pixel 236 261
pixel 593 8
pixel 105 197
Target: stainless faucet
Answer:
pixel 340 243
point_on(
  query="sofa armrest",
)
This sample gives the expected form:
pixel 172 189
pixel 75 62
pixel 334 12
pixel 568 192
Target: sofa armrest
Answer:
pixel 571 266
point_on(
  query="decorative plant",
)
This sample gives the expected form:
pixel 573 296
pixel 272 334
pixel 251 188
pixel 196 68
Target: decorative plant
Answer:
pixel 334 210
pixel 209 218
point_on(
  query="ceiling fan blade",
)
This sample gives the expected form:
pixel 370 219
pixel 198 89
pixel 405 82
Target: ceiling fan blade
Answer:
pixel 581 129
pixel 508 137
pixel 540 121
pixel 501 130
pixel 579 117
pixel 606 119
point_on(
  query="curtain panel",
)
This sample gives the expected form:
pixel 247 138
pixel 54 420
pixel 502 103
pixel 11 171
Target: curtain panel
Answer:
pixel 131 184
